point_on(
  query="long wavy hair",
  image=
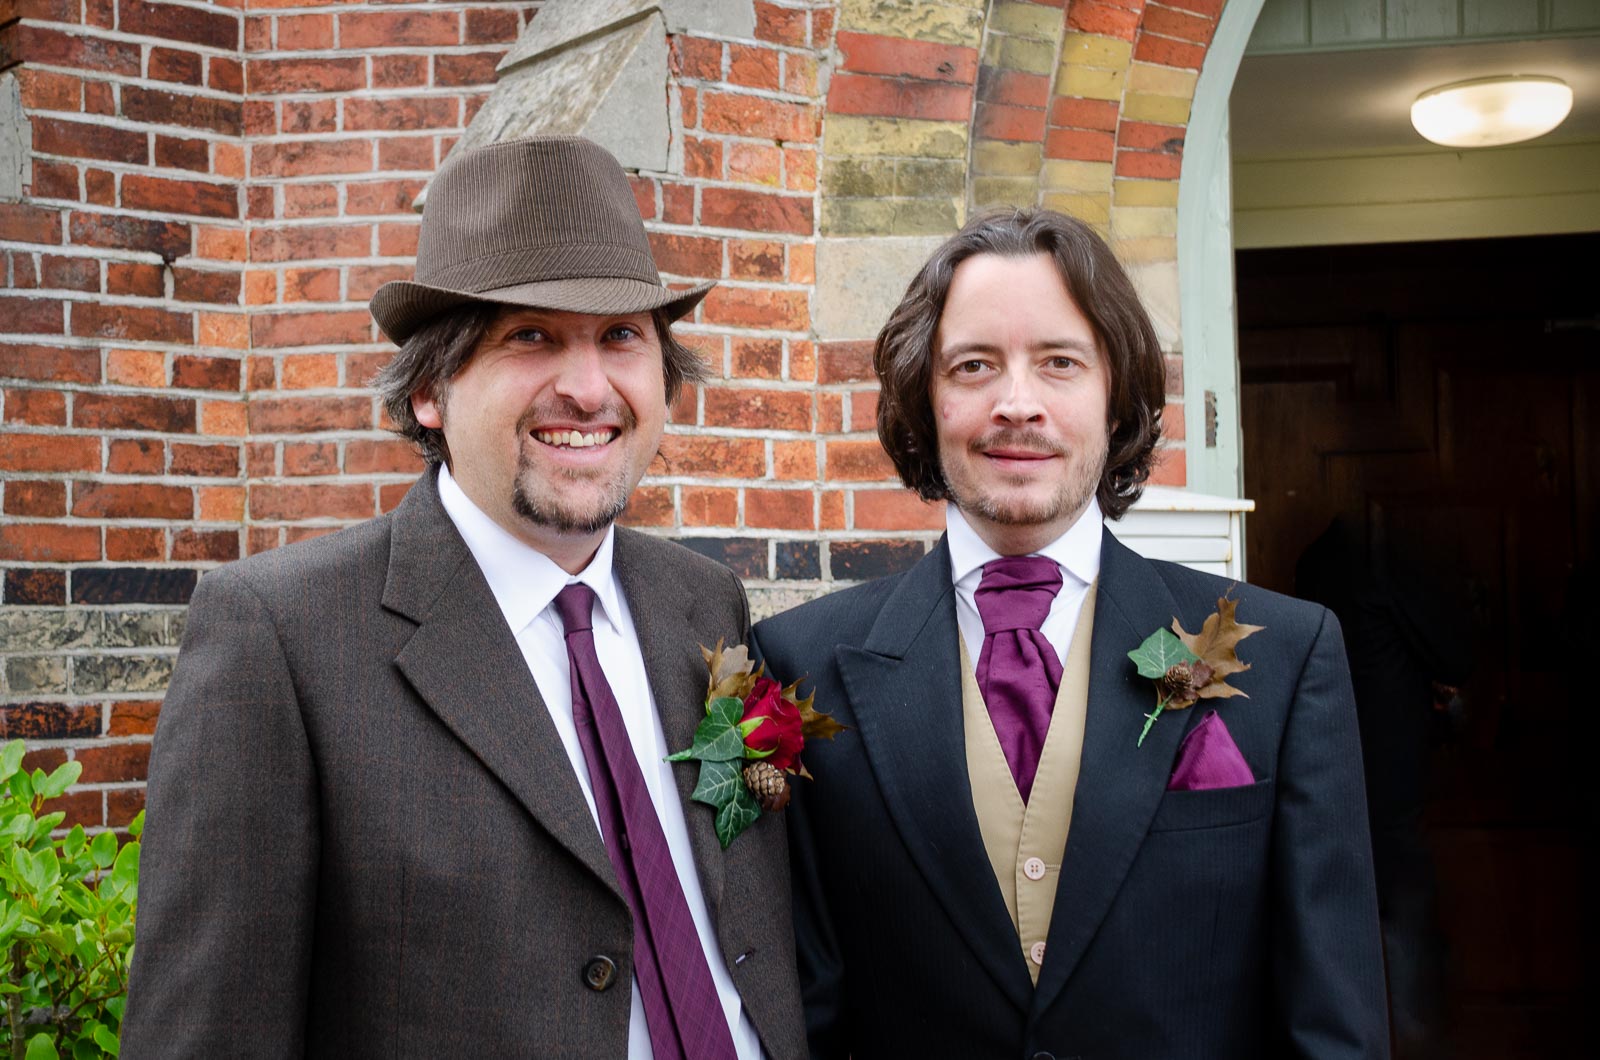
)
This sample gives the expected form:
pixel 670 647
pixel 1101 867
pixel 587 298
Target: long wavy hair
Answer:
pixel 903 356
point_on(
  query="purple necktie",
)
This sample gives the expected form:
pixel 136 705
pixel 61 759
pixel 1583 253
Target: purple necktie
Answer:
pixel 1019 670
pixel 680 999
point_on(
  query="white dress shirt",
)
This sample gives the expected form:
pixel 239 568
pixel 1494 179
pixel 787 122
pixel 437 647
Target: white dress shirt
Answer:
pixel 1076 552
pixel 525 583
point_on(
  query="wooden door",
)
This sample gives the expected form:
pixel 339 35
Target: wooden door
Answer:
pixel 1436 403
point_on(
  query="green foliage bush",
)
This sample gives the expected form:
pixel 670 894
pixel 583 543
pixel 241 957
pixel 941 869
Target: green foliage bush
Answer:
pixel 66 921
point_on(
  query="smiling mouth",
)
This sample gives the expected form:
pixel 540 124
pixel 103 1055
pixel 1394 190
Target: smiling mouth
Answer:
pixel 577 439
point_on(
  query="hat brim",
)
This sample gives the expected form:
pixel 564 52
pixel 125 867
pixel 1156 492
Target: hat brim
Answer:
pixel 401 307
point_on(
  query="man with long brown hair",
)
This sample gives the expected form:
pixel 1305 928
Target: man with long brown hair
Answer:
pixel 1017 851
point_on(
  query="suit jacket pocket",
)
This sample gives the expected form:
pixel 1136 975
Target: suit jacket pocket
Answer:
pixel 1212 807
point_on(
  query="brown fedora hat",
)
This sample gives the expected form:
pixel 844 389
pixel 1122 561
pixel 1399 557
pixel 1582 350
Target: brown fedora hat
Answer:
pixel 544 221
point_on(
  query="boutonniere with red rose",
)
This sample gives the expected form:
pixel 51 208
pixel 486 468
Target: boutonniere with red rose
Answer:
pixel 750 740
pixel 1188 667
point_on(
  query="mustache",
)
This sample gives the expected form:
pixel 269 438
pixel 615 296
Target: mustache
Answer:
pixel 611 412
pixel 1033 441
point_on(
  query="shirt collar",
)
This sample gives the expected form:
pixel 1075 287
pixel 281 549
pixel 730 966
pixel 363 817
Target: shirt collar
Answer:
pixel 1076 552
pixel 523 579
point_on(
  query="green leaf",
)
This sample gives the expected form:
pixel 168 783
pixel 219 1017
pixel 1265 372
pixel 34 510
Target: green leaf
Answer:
pixel 75 842
pixel 727 708
pixel 85 1048
pixel 11 758
pixel 718 782
pixel 715 740
pixel 107 1041
pixel 1160 652
pixel 22 786
pixel 104 849
pixel 40 1047
pixel 65 775
pixel 49 865
pixel 127 864
pixel 740 813
pixel 136 826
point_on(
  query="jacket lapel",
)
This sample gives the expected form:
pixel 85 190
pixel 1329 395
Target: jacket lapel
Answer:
pixel 1120 783
pixel 904 686
pixel 465 664
pixel 664 616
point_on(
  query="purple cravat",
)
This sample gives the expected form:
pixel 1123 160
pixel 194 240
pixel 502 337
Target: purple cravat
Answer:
pixel 1019 670
pixel 681 1005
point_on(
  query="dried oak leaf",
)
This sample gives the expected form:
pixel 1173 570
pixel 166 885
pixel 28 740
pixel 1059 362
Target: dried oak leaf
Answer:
pixel 732 672
pixel 1215 646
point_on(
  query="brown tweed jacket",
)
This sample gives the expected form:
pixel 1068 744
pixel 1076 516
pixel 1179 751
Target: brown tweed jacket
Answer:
pixel 365 838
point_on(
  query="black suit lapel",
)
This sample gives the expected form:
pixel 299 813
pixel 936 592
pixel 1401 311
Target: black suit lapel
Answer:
pixel 904 686
pixel 465 664
pixel 1120 783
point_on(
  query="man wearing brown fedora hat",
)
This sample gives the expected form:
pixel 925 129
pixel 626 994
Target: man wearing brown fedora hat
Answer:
pixel 408 793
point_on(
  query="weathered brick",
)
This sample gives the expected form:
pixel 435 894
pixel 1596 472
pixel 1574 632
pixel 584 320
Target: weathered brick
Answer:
pixel 683 454
pixel 178 197
pixel 41 408
pixel 684 255
pixel 136 367
pixel 49 543
pixel 389 113
pixel 844 362
pixel 752 67
pixel 169 239
pixel 851 93
pixel 1103 17
pixel 133 412
pixel 474 68
pixel 649 506
pixel 135 544
pixel 205 285
pixel 23 223
pixel 49 721
pixel 1086 145
pixel 752 163
pixel 387 457
pixel 398 29
pixel 132 585
pixel 1166 22
pixel 311 243
pixel 205 546
pixel 160 107
pixel 210 461
pixel 225 75
pixel 310 329
pixel 195 372
pixel 145 323
pixel 1084 113
pixel 409 152
pixel 304 33
pixel 135 278
pixel 50 47
pixel 32 316
pixel 176 22
pixel 274 76
pixel 134 717
pixel 118 500
pixel 52 364
pixel 28 586
pixel 727 112
pixel 75 139
pixel 757 358
pixel 1168 52
pixel 753 259
pixel 303 415
pixel 745 556
pixel 897 509
pixel 995 121
pixel 36 674
pixel 311 157
pixel 381 196
pixel 490 25
pixel 856 461
pixel 709 505
pixel 780 25
pixel 757 307
pixel 864 560
pixel 73 274
pixel 779 509
pixel 870 53
pixel 698 59
pixel 797 561
pixel 755 211
pixel 122 805
pixel 117 762
pixel 36 500
pixel 778 410
pixel 55 180
pixel 794 460
pixel 311 501
pixel 1149 164
pixel 136 456
pixel 49 452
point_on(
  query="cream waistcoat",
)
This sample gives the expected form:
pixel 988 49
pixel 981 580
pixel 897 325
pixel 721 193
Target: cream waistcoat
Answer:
pixel 1025 842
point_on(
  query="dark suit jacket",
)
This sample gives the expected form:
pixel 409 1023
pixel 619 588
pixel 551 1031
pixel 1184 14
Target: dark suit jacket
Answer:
pixel 1217 925
pixel 366 839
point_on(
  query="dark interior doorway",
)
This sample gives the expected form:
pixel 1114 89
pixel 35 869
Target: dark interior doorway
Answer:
pixel 1422 439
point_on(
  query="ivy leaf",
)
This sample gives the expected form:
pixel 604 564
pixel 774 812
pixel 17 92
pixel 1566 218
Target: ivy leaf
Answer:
pixel 740 813
pixel 726 709
pixel 718 781
pixel 1160 652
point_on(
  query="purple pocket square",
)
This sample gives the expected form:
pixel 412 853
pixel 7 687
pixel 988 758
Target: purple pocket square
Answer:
pixel 1208 758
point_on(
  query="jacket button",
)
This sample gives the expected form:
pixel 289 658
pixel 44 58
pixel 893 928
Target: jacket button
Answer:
pixel 1044 1056
pixel 599 973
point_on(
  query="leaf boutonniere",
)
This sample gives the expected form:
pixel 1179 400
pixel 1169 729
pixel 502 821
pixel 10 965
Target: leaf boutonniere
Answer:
pixel 749 741
pixel 1188 667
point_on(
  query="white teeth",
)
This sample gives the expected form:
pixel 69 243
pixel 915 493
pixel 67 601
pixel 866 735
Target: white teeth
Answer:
pixel 575 439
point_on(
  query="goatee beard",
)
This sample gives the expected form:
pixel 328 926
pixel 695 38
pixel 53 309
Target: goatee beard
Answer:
pixel 555 511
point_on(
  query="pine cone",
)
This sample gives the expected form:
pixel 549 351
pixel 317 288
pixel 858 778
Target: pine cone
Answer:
pixel 1183 681
pixel 768 784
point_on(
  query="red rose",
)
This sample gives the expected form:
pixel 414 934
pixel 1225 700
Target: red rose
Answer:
pixel 781 731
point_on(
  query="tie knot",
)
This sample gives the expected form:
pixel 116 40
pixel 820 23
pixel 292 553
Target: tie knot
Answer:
pixel 575 605
pixel 1016 592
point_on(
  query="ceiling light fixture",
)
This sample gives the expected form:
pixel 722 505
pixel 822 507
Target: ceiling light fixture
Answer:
pixel 1490 111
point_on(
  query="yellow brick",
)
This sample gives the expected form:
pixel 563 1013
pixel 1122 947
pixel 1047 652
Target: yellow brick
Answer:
pixel 1093 209
pixel 1004 191
pixel 1083 49
pixel 1145 249
pixel 1134 222
pixel 1162 80
pixel 857 217
pixel 1026 20
pixel 1146 192
pixel 1093 177
pixel 901 137
pixel 957 22
pixel 1027 56
pixel 1167 110
pixel 1090 82
pixel 999 159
